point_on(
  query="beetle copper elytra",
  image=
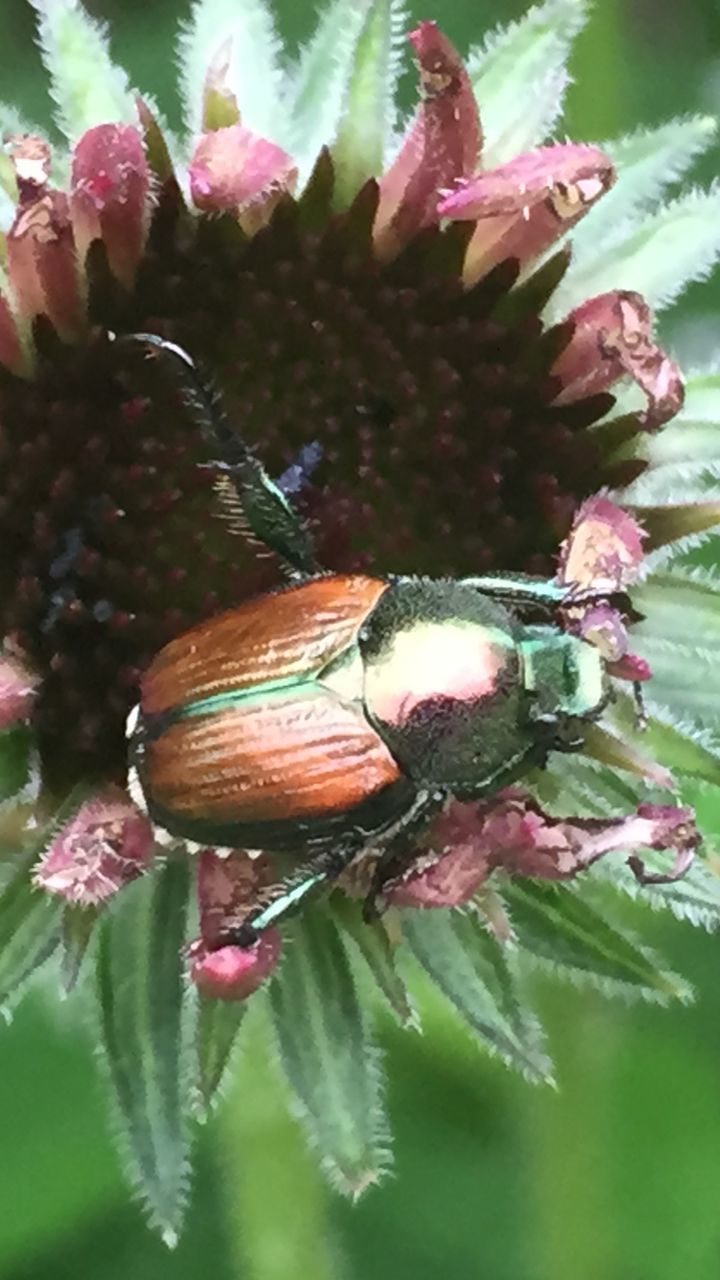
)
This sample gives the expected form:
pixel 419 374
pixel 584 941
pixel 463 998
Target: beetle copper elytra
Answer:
pixel 339 713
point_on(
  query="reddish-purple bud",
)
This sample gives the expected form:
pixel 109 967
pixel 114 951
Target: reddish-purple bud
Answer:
pixel 105 845
pixel 17 692
pixel 235 171
pixel 109 196
pixel 441 146
pixel 613 337
pixel 524 206
pixel 233 973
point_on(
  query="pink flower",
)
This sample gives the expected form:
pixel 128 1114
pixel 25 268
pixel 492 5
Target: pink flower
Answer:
pixel 105 845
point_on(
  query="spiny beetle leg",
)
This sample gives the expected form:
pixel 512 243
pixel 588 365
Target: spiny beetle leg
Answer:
pixel 287 896
pixel 266 511
pixel 521 589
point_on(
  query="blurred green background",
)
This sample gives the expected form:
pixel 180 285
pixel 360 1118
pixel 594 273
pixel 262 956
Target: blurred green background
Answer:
pixel 614 1177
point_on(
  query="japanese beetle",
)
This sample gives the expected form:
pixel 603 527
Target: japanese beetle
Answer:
pixel 339 713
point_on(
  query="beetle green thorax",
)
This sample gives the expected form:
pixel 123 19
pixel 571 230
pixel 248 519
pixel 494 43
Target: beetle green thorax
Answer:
pixel 565 675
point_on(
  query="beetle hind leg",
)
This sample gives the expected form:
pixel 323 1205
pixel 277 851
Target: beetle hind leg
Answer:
pixel 262 507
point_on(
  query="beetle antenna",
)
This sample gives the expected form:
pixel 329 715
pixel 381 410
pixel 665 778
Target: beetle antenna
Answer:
pixel 265 509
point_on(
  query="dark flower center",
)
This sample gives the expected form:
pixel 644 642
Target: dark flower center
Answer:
pixel 413 421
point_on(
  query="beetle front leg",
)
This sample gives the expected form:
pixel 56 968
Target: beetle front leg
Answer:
pixel 263 507
pixel 520 590
pixel 289 895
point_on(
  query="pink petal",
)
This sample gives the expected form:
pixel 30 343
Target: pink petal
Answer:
pixel 233 973
pixel 441 146
pixel 524 206
pixel 228 888
pixel 107 844
pixel 17 691
pixel 604 548
pixel 235 171
pixel 512 832
pixel 613 337
pixel 42 263
pixel 109 199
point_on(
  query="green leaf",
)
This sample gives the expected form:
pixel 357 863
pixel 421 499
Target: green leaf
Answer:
pixel 368 118
pixel 255 77
pixel 562 930
pixel 519 77
pixel 327 1054
pixel 473 971
pixel 657 257
pixel 672 738
pixel 86 85
pixel 218 1024
pixel 30 922
pixel 373 944
pixel 17 767
pixel 647 163
pixel 143 1040
pixel 680 638
pixel 76 931
pixel 321 79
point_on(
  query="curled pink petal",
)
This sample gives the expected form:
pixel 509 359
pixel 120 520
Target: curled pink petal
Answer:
pixel 233 973
pixel 107 844
pixel 109 199
pixel 524 206
pixel 604 548
pixel 17 691
pixel 228 889
pixel 441 146
pixel 42 262
pixel 456 862
pixel 513 833
pixel 613 337
pixel 233 170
